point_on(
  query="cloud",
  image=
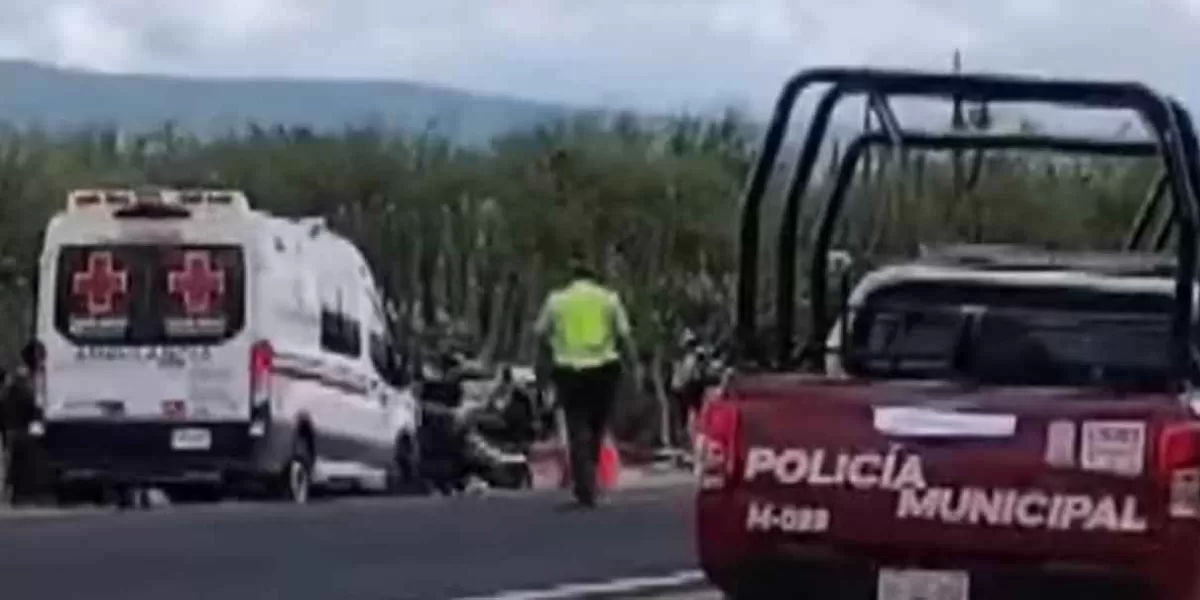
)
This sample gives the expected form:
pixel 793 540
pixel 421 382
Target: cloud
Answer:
pixel 657 55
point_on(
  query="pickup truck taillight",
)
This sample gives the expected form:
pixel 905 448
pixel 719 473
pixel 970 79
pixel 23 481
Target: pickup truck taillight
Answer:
pixel 716 446
pixel 1178 466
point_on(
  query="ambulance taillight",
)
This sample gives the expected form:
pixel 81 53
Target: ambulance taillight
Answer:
pixel 262 361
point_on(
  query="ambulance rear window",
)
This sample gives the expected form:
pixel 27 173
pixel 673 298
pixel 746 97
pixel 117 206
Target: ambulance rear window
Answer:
pixel 137 294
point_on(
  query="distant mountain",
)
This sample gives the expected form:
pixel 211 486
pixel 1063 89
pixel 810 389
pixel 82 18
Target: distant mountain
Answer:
pixel 57 99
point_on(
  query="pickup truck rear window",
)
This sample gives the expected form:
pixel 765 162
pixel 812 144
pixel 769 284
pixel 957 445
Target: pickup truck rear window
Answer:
pixel 141 294
pixel 1037 336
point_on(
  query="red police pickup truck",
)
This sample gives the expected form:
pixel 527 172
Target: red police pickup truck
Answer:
pixel 1025 465
pixel 1010 424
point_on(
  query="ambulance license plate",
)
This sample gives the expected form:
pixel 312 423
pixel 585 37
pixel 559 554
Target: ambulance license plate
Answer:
pixel 916 584
pixel 194 438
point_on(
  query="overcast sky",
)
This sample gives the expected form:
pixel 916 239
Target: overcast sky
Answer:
pixel 653 54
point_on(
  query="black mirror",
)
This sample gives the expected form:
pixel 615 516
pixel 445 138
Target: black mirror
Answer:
pixel 398 374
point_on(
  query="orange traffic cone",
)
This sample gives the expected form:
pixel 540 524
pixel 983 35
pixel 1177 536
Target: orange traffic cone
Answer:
pixel 608 471
pixel 608 467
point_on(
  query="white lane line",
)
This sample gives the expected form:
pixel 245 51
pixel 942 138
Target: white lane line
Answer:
pixel 631 585
pixel 40 512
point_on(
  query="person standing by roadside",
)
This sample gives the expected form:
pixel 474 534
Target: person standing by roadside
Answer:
pixel 18 409
pixel 584 331
pixel 687 386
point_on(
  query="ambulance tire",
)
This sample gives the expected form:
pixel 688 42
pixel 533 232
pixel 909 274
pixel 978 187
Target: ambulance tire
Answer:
pixel 296 480
pixel 404 475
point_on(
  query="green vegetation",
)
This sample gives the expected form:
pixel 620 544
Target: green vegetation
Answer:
pixel 468 240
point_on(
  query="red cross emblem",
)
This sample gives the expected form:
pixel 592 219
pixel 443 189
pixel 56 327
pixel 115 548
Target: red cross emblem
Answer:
pixel 101 283
pixel 197 282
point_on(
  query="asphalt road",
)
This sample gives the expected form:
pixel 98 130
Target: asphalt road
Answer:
pixel 707 594
pixel 347 549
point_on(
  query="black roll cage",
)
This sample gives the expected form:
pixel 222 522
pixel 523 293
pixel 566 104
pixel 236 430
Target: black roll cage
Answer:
pixel 1174 140
pixel 831 209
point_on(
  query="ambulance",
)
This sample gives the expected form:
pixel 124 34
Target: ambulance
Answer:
pixel 195 344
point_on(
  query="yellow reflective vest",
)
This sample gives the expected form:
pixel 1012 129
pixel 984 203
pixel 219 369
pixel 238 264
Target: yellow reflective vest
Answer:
pixel 582 321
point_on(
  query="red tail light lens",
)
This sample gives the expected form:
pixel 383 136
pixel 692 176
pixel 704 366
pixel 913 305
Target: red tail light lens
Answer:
pixel 717 444
pixel 1178 466
pixel 262 360
pixel 1179 447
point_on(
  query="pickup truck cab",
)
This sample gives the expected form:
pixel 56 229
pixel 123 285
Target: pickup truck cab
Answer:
pixel 1000 423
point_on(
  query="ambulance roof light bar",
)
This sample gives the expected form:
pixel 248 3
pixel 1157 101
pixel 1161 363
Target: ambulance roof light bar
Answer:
pixel 214 198
pixel 111 199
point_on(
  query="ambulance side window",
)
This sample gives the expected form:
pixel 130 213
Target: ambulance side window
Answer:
pixel 340 332
pixel 341 327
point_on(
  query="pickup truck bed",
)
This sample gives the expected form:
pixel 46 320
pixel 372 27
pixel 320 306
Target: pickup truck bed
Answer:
pixel 815 484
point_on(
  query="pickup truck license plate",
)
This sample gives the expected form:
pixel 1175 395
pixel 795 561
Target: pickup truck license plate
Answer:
pixel 194 438
pixel 914 584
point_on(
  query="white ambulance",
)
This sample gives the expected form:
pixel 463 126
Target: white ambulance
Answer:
pixel 195 344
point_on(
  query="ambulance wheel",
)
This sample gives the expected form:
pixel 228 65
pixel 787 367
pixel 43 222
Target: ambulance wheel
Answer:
pixel 295 484
pixel 404 475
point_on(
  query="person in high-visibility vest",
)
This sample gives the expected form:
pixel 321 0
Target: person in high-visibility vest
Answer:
pixel 585 331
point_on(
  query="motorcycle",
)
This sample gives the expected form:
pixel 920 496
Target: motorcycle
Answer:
pixel 476 430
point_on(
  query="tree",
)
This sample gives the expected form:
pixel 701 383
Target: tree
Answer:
pixel 469 240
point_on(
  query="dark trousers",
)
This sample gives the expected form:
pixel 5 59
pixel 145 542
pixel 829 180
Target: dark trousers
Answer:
pixel 685 403
pixel 587 397
pixel 21 467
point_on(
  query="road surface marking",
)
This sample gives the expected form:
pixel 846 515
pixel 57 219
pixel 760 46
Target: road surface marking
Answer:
pixel 612 588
